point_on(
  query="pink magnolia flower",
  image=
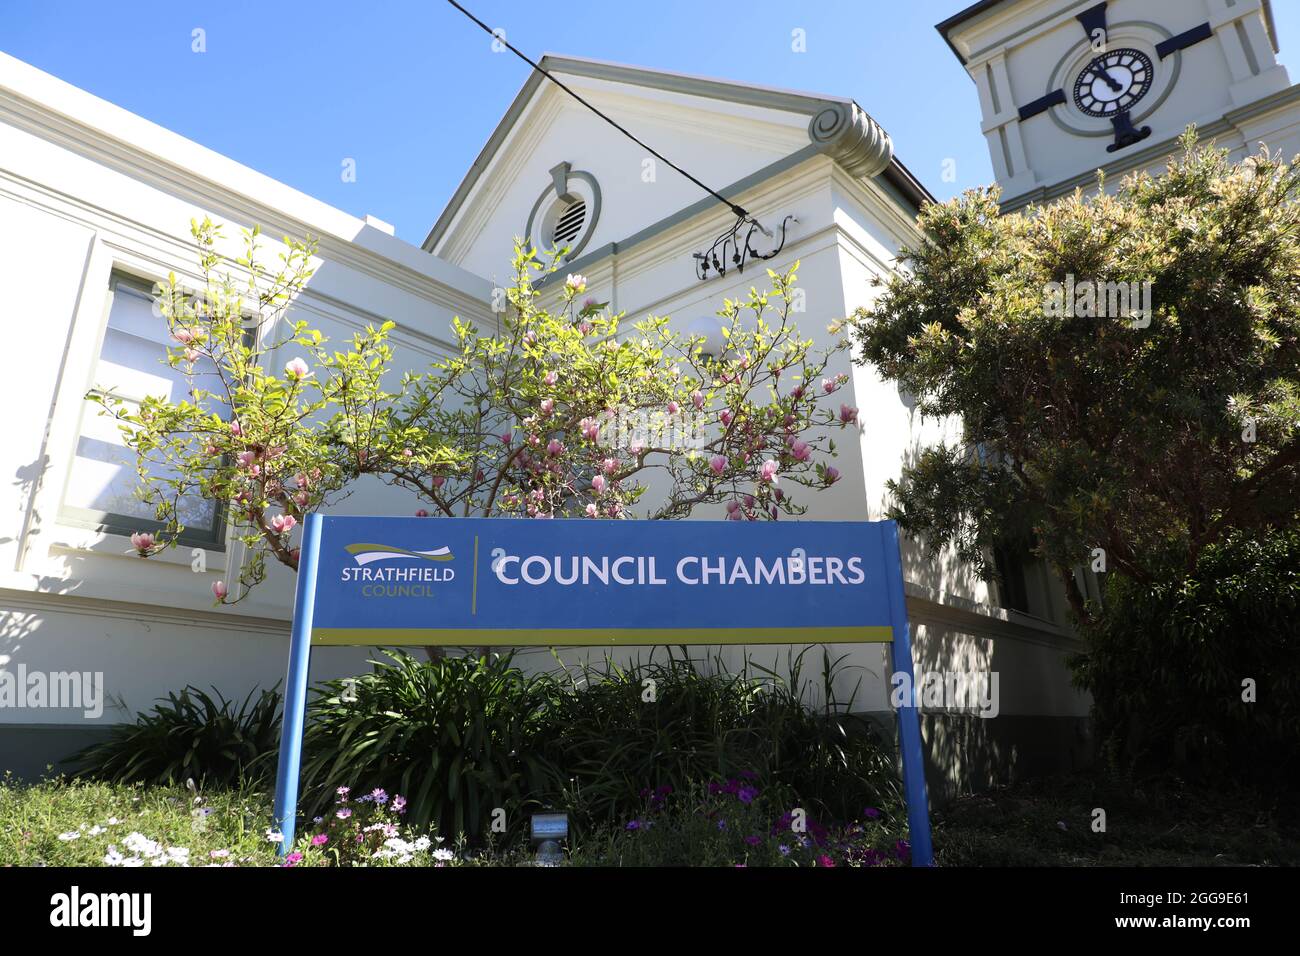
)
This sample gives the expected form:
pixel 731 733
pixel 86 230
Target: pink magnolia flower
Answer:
pixel 530 338
pixel 219 590
pixel 438 481
pixel 212 451
pixel 673 408
pixel 599 484
pixel 828 385
pixel 733 506
pixel 505 438
pixel 185 336
pixel 407 453
pixel 832 474
pixel 191 356
pixel 592 510
pixel 725 415
pixel 584 327
pixel 301 499
pixel 235 429
pixel 590 430
pixel 246 458
pixel 282 524
pixel 421 513
pixel 609 466
pixel 554 447
pixel 548 406
pixel 768 471
pixel 697 399
pixel 718 463
pixel 848 414
pixel 296 369
pixel 550 378
pixel 576 283
pixel 801 450
pixel 143 542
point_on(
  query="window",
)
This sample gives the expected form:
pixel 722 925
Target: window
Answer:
pixel 132 364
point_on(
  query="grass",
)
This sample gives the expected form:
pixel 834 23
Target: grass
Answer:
pixel 1162 822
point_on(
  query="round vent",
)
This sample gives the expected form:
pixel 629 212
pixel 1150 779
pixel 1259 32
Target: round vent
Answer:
pixel 569 223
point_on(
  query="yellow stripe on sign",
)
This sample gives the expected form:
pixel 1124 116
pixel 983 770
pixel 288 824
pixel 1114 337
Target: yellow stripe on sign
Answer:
pixel 560 637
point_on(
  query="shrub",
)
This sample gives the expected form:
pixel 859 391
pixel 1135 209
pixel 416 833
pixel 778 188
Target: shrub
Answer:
pixel 189 736
pixel 1166 664
pixel 458 736
pixel 612 743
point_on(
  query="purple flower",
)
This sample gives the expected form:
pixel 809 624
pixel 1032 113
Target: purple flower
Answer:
pixel 746 794
pixel 399 804
pixel 785 850
pixel 753 840
pixel 871 813
pixel 903 850
pixel 293 859
pixel 379 796
pixel 344 813
pixel 637 825
pixel 319 839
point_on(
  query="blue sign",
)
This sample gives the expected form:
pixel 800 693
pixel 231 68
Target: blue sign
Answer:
pixel 503 581
pixel 512 582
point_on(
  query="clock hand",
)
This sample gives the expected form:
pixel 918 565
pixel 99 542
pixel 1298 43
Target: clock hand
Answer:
pixel 1110 80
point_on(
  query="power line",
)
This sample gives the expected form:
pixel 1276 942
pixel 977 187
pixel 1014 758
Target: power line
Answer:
pixel 738 210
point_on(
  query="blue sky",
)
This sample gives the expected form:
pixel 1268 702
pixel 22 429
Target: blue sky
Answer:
pixel 411 90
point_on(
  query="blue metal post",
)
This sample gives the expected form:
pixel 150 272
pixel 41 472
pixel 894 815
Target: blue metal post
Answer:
pixel 909 724
pixel 295 686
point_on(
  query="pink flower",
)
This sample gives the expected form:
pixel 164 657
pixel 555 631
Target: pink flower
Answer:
pixel 609 466
pixel 438 481
pixel 296 369
pixel 718 463
pixel 407 453
pixel 320 839
pixel 725 415
pixel 219 590
pixel 554 447
pixel 598 484
pixel 592 510
pixel 733 506
pixel 212 451
pixel 768 471
pixel 575 283
pixel 421 513
pixel 832 474
pixel 548 406
pixel 301 499
pixel 697 399
pixel 282 524
pixel 550 378
pixel 235 429
pixel 143 542
pixel 584 327
pixel 590 430
pixel 828 385
pixel 505 438
pixel 848 414
pixel 800 450
pixel 246 458
pixel 673 408
pixel 191 356
pixel 185 336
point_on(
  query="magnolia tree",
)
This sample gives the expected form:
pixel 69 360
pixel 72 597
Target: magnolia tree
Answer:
pixel 560 411
pixel 272 424
pixel 554 412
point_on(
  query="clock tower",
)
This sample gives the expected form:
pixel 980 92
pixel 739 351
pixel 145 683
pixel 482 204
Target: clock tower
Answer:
pixel 1068 87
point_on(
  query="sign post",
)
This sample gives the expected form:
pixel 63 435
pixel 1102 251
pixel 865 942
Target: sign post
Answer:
pixel 513 583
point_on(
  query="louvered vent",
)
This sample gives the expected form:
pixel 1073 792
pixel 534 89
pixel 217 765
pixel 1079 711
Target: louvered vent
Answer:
pixel 569 224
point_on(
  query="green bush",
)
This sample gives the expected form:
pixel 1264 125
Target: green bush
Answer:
pixel 612 743
pixel 1166 664
pixel 190 736
pixel 456 736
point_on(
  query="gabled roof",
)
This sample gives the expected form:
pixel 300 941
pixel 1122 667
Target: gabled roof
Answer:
pixel 812 104
pixel 975 9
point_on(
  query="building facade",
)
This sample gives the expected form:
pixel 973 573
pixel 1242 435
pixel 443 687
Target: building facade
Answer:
pixel 95 205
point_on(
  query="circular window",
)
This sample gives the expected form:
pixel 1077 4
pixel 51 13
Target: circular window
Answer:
pixel 565 214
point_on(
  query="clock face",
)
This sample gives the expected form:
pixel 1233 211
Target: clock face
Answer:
pixel 1113 82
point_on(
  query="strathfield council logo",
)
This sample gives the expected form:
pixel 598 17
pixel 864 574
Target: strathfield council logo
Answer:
pixel 385 570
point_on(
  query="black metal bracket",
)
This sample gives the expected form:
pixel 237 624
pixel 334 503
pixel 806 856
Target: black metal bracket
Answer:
pixel 1126 134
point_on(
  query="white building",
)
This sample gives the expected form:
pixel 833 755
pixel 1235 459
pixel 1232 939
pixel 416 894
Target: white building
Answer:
pixel 95 201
